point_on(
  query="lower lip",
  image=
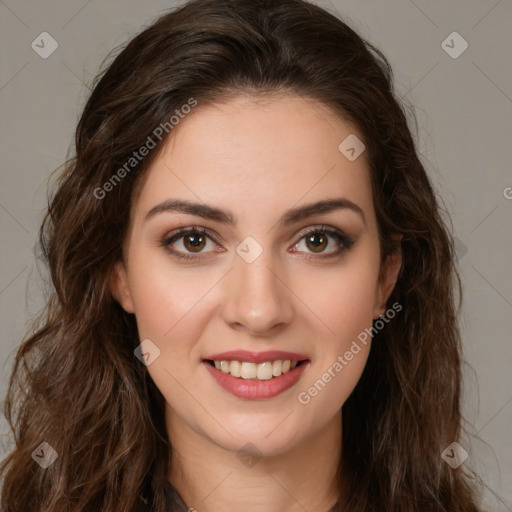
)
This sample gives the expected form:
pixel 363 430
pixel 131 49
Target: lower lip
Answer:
pixel 253 389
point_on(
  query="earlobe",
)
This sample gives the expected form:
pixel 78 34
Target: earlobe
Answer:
pixel 387 281
pixel 119 287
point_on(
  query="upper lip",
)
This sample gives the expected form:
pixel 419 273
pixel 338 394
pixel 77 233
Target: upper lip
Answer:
pixel 256 357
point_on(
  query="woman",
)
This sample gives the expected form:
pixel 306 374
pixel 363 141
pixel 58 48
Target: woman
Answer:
pixel 254 301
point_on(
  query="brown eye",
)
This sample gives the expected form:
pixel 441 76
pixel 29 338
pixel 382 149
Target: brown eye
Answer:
pixel 194 242
pixel 189 243
pixel 323 242
pixel 317 242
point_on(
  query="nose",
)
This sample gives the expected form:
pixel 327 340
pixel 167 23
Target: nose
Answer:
pixel 257 299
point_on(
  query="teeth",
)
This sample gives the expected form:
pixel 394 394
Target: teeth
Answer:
pixel 261 371
pixel 248 371
pixel 277 368
pixel 235 368
pixel 264 371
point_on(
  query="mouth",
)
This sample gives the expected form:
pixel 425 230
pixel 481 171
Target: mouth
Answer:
pixel 256 381
pixel 246 370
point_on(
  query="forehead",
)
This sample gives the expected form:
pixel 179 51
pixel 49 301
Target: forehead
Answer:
pixel 257 157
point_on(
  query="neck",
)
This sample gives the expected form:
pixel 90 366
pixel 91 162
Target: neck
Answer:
pixel 210 478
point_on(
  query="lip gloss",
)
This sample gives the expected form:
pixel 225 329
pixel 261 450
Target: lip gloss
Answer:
pixel 254 389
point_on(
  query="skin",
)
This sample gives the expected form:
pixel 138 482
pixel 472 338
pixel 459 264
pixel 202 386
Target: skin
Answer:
pixel 257 159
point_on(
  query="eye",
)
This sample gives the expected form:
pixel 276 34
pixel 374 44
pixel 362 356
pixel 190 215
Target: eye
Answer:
pixel 188 242
pixel 317 239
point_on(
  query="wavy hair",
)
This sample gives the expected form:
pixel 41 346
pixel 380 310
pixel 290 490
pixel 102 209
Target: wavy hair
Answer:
pixel 76 383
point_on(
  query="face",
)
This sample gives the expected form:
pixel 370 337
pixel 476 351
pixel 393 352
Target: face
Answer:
pixel 256 270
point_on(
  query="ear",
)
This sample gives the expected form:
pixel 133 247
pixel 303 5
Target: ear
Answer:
pixel 120 288
pixel 388 276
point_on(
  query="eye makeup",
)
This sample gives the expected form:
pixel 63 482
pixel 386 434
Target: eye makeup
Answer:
pixel 341 239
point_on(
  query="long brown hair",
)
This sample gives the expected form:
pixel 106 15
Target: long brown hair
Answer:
pixel 76 383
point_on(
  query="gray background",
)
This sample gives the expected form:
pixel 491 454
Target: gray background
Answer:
pixel 464 110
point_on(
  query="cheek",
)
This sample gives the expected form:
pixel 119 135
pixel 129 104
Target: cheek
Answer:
pixel 342 298
pixel 329 388
pixel 172 307
pixel 345 307
pixel 166 297
pixel 344 302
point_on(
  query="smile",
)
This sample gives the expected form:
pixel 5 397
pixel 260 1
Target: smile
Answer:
pixel 256 376
pixel 262 371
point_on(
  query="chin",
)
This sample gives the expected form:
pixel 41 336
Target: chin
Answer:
pixel 268 437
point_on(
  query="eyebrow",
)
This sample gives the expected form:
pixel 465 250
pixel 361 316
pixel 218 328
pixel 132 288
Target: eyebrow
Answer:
pixel 290 217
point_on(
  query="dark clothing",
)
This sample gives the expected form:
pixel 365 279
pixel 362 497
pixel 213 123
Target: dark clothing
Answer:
pixel 174 500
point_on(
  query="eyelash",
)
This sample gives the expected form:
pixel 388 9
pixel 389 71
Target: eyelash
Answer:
pixel 340 237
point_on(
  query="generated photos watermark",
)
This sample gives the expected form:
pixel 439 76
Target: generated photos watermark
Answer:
pixel 454 455
pixel 304 397
pixel 45 455
pixel 147 352
pixel 158 133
